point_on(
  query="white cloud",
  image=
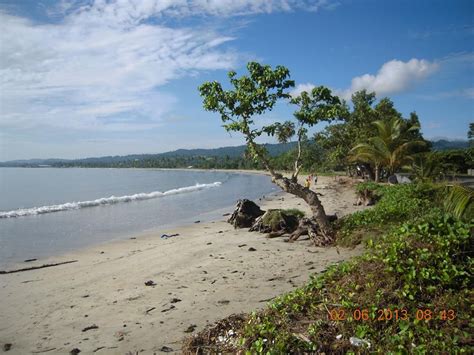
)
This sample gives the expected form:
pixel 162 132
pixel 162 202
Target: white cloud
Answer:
pixel 302 87
pixel 101 65
pixel 393 77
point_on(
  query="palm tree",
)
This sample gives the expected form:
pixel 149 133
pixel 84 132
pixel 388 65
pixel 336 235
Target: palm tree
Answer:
pixel 425 167
pixel 460 200
pixel 390 149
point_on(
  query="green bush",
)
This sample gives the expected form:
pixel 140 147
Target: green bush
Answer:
pixel 397 203
pixel 421 265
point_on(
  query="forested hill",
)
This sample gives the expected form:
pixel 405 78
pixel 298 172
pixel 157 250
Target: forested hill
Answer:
pixel 443 144
pixel 225 157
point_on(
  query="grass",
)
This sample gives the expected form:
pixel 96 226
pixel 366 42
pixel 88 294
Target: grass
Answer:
pixel 411 292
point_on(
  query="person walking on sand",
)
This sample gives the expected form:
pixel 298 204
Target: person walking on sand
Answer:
pixel 307 183
pixel 315 179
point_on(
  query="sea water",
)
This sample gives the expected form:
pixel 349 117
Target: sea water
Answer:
pixel 48 211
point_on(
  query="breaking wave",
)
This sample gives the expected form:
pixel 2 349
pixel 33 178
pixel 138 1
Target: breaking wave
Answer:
pixel 104 201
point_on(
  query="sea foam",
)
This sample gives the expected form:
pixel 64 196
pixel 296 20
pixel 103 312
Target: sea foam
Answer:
pixel 104 201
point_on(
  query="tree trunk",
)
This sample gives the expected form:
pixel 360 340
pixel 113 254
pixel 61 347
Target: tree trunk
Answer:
pixel 293 187
pixel 377 173
pixel 311 198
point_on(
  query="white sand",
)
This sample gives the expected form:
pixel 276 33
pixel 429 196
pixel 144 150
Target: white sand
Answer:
pixel 208 267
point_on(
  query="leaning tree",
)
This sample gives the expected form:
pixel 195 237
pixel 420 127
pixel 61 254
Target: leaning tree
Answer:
pixel 254 94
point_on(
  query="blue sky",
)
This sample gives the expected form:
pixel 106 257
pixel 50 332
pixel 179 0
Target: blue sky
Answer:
pixel 89 78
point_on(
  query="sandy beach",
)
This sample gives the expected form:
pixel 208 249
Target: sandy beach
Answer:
pixel 207 272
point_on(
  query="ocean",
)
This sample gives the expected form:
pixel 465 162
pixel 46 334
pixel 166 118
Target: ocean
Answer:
pixel 49 211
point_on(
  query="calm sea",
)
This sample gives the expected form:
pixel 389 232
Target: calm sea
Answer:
pixel 48 211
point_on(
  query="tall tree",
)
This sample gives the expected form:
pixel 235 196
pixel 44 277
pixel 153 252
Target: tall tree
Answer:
pixel 256 93
pixel 390 148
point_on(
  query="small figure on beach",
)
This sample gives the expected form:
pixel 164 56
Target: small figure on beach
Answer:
pixel 315 179
pixel 307 183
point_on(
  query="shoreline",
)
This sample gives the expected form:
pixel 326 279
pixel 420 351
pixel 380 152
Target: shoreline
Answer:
pixel 17 260
pixel 206 273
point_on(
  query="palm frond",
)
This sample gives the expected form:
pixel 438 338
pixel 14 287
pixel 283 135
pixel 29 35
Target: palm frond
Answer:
pixel 459 200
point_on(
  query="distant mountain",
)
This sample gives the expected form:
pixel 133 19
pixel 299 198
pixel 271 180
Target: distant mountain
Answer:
pixel 231 152
pixel 444 144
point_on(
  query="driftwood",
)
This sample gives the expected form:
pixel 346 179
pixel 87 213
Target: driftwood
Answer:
pixel 36 267
pixel 245 213
pixel 308 226
pixel 278 223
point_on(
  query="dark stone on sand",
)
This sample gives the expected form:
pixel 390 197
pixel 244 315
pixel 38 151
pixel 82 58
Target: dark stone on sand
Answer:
pixel 75 351
pixel 175 300
pixel 197 221
pixel 93 326
pixel 252 249
pixel 191 328
pixel 166 349
pixel 150 283
pixel 7 346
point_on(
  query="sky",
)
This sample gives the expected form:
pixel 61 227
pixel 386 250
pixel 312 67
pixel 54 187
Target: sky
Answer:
pixel 82 78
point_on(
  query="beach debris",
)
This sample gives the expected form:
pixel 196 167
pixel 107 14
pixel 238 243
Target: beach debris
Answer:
pixel 85 296
pixel 359 342
pixel 28 281
pixel 149 310
pixel 226 214
pixel 242 245
pixel 220 232
pixel 166 236
pixel 133 238
pixel 208 243
pixel 75 351
pixel 175 300
pixel 245 214
pixel 166 349
pixel 222 331
pixel 90 327
pixel 43 351
pixel 198 221
pixel 302 337
pixel 191 328
pixel 29 260
pixel 168 309
pixel 223 302
pixel 2 272
pixel 267 299
pixel 150 283
pixel 7 346
pixel 99 348
pixel 252 249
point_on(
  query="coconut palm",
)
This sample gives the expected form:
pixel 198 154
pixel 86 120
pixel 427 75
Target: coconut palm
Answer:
pixel 390 149
pixel 425 167
pixel 460 201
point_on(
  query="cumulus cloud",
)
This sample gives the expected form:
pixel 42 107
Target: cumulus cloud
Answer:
pixel 102 65
pixel 393 77
pixel 302 87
